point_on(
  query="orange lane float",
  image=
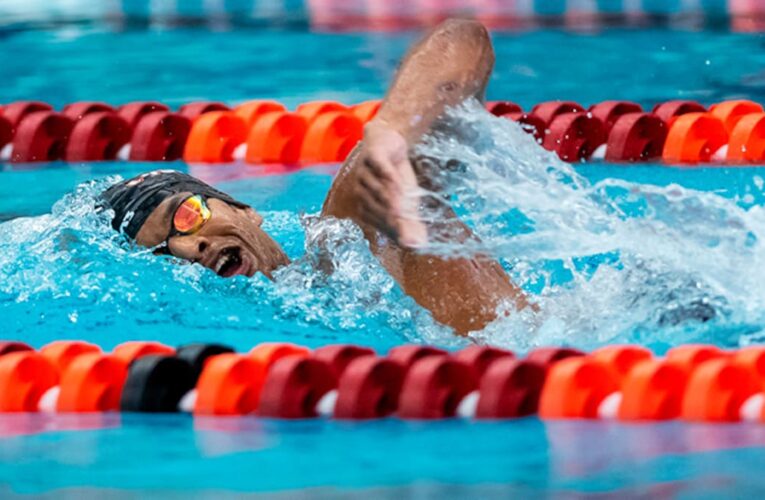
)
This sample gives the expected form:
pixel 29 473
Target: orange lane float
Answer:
pixel 252 111
pixel 312 110
pixel 575 388
pixel 230 384
pixel 214 136
pixel 692 382
pixel 653 390
pixel 730 112
pixel 367 110
pixel 269 353
pixel 621 358
pixel 24 377
pixel 92 382
pixel 331 136
pixel 717 389
pixel 264 131
pixel 276 137
pixel 694 138
pixel 130 351
pixel 747 140
pixel 62 352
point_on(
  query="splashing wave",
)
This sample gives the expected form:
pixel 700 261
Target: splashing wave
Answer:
pixel 607 261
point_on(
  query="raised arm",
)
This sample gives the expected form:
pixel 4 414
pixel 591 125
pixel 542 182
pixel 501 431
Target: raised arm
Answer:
pixel 449 65
pixel 374 186
pixel 377 186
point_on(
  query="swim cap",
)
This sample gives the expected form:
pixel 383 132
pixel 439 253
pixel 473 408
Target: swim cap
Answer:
pixel 135 199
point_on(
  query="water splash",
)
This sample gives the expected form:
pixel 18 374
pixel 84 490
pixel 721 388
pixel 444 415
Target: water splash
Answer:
pixel 609 261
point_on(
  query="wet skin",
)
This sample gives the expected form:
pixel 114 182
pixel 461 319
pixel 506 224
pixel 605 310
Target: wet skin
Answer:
pixel 375 188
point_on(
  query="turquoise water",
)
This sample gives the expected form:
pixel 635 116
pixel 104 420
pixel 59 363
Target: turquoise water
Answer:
pixel 608 255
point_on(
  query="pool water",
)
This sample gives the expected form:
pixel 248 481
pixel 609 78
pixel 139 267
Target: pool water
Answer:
pixel 610 251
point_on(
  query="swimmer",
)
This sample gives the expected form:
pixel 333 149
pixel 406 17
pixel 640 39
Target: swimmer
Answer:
pixel 376 188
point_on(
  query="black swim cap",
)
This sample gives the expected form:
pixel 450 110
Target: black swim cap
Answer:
pixel 135 199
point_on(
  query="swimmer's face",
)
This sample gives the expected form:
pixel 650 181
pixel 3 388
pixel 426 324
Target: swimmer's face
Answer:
pixel 231 242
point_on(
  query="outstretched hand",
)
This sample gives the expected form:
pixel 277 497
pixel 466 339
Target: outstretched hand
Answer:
pixel 386 186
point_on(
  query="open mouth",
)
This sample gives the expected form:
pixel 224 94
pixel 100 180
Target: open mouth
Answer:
pixel 229 262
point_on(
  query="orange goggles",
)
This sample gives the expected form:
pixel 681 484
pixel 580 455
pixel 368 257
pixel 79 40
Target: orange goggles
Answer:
pixel 190 216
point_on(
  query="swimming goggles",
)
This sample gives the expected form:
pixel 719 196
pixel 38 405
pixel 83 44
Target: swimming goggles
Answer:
pixel 188 218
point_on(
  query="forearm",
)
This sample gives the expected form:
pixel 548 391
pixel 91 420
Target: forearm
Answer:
pixel 451 64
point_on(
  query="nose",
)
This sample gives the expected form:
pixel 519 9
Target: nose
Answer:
pixel 192 247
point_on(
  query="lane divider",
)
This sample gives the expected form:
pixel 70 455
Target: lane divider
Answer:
pixel 280 380
pixel 265 131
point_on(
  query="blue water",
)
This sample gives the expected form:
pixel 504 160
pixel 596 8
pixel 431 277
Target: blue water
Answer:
pixel 66 275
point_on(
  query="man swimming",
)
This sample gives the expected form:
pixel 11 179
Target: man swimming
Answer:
pixel 188 219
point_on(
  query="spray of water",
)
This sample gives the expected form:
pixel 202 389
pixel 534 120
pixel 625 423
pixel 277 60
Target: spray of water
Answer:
pixel 606 262
pixel 610 261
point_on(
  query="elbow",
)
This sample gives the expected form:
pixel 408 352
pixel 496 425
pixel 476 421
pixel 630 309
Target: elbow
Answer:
pixel 467 36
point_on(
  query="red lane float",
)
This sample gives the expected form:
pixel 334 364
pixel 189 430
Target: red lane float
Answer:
pixel 510 388
pixel 480 358
pixel 159 136
pixel 530 123
pixel 16 111
pixel 608 112
pixel 41 136
pixel 369 388
pixel 636 137
pixel 692 382
pixel 547 111
pixel 133 112
pixel 78 110
pixel 340 356
pixel 293 387
pixel 407 355
pixel 6 132
pixel 96 135
pixel 433 388
pixel 194 110
pixel 667 111
pixel 502 108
